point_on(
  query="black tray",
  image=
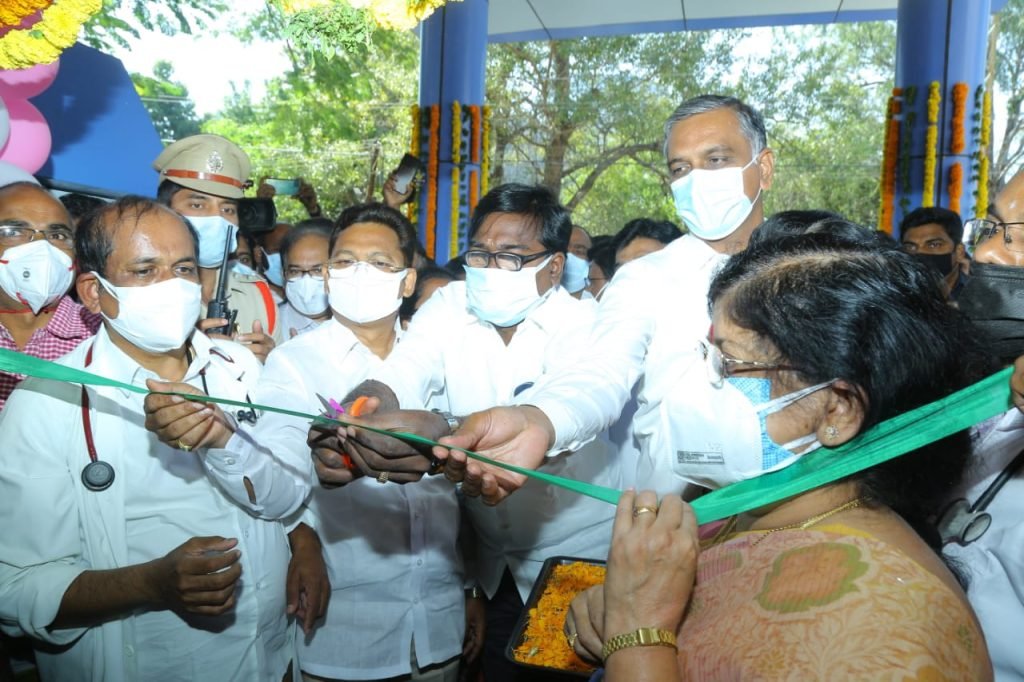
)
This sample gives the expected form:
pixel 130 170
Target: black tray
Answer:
pixel 535 593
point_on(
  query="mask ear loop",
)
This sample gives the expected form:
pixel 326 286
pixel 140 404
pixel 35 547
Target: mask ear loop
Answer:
pixel 784 401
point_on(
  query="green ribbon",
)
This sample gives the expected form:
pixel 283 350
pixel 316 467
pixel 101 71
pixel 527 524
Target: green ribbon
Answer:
pixel 892 438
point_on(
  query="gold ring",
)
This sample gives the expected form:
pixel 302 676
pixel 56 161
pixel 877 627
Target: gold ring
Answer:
pixel 183 446
pixel 572 639
pixel 382 477
pixel 637 511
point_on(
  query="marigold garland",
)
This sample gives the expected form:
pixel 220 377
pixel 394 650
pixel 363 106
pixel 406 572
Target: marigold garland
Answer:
pixel 433 163
pixel 981 207
pixel 485 153
pixel 13 12
pixel 544 642
pixel 930 145
pixel 453 245
pixel 957 143
pixel 889 159
pixel 955 186
pixel 42 42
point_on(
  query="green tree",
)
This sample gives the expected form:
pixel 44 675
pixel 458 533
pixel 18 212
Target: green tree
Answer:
pixel 335 121
pixel 1009 73
pixel 168 103
pixel 122 19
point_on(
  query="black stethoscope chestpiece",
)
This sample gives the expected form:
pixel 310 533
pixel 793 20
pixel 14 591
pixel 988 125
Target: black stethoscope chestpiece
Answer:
pixel 97 475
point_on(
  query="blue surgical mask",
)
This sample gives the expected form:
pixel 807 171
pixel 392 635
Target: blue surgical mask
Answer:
pixel 214 232
pixel 576 273
pixel 275 269
pixel 242 269
pixel 713 203
pixel 721 436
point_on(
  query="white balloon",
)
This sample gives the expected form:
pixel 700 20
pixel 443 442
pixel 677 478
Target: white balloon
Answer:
pixel 5 123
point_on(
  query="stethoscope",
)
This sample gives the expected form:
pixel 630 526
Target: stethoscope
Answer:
pixel 963 522
pixel 98 475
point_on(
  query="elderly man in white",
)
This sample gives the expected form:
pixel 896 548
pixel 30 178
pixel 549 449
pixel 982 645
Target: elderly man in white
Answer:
pixel 120 557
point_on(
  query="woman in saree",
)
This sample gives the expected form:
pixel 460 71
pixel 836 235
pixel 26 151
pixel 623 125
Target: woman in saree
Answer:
pixel 815 339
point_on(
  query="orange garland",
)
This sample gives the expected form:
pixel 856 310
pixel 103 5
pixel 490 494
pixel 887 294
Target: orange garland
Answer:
pixel 955 187
pixel 433 162
pixel 957 144
pixel 544 642
pixel 887 187
pixel 13 12
pixel 485 152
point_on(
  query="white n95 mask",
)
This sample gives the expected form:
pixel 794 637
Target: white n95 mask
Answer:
pixel 306 294
pixel 362 293
pixel 159 317
pixel 214 232
pixel 503 297
pixel 713 203
pixel 719 435
pixel 36 273
pixel 577 273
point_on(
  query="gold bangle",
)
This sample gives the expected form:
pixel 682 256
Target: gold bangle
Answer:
pixel 639 637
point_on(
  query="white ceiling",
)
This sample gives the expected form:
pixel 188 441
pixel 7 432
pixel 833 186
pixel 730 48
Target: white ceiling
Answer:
pixel 514 20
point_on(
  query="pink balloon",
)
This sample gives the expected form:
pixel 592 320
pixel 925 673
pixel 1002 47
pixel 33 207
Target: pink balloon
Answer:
pixel 25 83
pixel 29 143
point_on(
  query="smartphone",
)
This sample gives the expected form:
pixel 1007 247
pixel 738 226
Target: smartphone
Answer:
pixel 284 187
pixel 407 171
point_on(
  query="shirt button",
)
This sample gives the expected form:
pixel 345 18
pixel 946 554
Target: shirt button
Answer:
pixel 419 562
pixel 259 586
pixel 245 533
pixel 129 650
pixel 229 460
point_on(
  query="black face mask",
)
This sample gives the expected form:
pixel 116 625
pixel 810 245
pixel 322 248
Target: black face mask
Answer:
pixel 942 262
pixel 993 298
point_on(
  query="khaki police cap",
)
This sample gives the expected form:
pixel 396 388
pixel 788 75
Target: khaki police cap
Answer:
pixel 207 163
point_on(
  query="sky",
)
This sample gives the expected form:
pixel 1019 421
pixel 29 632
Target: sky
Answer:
pixel 208 63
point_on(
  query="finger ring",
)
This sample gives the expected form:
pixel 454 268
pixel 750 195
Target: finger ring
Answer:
pixel 572 639
pixel 382 477
pixel 637 511
pixel 184 447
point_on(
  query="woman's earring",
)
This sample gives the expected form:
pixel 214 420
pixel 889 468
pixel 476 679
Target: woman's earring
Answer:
pixel 831 432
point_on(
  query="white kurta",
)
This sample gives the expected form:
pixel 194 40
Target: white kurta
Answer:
pixel 648 323
pixel 449 354
pixel 995 562
pixel 160 497
pixel 390 549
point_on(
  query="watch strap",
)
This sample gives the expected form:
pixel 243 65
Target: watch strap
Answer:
pixel 453 421
pixel 638 637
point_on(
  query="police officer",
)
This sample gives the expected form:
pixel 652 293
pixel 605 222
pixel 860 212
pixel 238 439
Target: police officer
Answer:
pixel 202 177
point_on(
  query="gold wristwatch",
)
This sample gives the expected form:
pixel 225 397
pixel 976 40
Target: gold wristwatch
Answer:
pixel 638 637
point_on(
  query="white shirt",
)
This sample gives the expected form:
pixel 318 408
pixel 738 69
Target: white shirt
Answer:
pixel 649 321
pixel 55 528
pixel 449 353
pixel 994 563
pixel 390 549
pixel 289 318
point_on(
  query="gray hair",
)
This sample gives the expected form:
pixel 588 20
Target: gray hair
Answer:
pixel 751 121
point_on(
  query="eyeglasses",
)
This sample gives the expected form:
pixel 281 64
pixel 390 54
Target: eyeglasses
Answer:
pixel 16 236
pixel 505 261
pixel 345 263
pixel 719 366
pixel 982 229
pixel 294 272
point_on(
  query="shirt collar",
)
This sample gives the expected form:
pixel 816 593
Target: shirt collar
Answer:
pixel 110 361
pixel 343 340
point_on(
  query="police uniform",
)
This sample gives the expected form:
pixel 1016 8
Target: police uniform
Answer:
pixel 214 165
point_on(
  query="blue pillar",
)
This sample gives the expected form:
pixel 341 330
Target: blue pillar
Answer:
pixel 943 41
pixel 453 56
